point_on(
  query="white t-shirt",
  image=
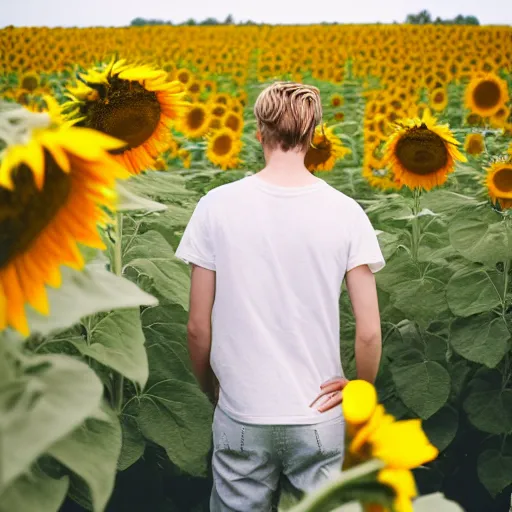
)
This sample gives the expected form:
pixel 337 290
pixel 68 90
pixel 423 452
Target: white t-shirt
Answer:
pixel 280 256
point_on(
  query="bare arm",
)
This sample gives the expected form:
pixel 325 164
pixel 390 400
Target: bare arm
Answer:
pixel 368 345
pixel 202 294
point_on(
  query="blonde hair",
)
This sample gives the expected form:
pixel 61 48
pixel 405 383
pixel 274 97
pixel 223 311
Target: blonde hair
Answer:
pixel 287 114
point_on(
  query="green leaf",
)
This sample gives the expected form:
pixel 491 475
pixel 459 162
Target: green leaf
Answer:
pixel 480 338
pixel 445 201
pixel 57 396
pixel 128 201
pixel 91 452
pixel 388 243
pixel 91 291
pixel 488 407
pixel 422 300
pixel 473 290
pixel 423 386
pixel 481 235
pixel 173 412
pixel 116 340
pixel 435 502
pixel 35 491
pixel 459 373
pixel 152 265
pixel 399 269
pixel 133 444
pixel 494 471
pixel 442 427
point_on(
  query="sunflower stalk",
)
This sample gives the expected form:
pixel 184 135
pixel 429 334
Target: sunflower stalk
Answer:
pixel 416 231
pixel 319 500
pixel 118 379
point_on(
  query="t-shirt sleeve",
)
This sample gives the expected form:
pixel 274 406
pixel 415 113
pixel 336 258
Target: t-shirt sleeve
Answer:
pixel 196 245
pixel 364 246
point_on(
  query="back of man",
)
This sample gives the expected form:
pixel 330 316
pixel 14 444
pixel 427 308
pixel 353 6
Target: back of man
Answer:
pixel 277 246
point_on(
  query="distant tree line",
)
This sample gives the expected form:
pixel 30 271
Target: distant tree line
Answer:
pixel 138 22
pixel 424 18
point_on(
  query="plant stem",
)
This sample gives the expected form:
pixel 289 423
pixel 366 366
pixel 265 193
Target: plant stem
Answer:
pixel 506 271
pixel 320 498
pixel 416 224
pixel 118 379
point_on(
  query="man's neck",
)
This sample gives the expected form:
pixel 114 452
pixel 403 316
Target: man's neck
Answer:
pixel 286 169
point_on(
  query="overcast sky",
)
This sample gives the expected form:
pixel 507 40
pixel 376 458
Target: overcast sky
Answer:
pixel 120 12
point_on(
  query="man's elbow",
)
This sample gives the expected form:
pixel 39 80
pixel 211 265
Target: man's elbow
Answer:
pixel 198 330
pixel 369 336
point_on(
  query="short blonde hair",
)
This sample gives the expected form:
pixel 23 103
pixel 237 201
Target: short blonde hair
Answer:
pixel 287 114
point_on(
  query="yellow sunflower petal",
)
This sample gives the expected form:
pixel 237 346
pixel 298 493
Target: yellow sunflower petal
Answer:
pixel 359 401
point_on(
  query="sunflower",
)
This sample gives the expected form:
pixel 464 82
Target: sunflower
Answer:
pixel 183 75
pixel 326 148
pixel 473 119
pixel 499 183
pixel 375 172
pixel 133 103
pixel 52 193
pixel 500 118
pixel 196 121
pixel 29 81
pixel 336 100
pixel 474 144
pixel 233 121
pixel 223 149
pixel 438 99
pixel 486 94
pixel 222 98
pixel 422 153
pixel 218 110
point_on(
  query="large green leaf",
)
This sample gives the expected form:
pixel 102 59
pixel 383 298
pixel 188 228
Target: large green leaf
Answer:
pixel 91 452
pixel 116 340
pixel 173 411
pixel 91 291
pixel 422 300
pixel 133 444
pixel 150 262
pixel 480 338
pixel 494 470
pixel 58 395
pixel 488 406
pixel 398 270
pixel 473 290
pixel 34 491
pixel 446 201
pixel 424 386
pixel 442 427
pixel 481 235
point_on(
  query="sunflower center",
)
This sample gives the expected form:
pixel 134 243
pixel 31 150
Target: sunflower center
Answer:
pixel 439 97
pixel 26 211
pixel 487 94
pixel 319 153
pixel 196 118
pixel 222 145
pixel 503 179
pixel 233 122
pixel 421 151
pixel 29 83
pixel 129 112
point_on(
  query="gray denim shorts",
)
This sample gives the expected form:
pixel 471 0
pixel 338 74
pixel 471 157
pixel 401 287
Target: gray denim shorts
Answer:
pixel 249 460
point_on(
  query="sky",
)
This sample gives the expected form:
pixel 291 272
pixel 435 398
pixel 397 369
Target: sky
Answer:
pixel 69 13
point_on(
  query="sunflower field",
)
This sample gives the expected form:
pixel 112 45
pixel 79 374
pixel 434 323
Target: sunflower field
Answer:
pixel 108 139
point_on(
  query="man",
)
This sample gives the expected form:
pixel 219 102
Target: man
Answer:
pixel 269 254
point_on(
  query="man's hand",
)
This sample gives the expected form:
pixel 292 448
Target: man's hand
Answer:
pixel 331 390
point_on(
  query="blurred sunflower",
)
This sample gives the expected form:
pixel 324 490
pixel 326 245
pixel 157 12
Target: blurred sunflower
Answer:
pixel 474 144
pixel 336 100
pixel 499 183
pixel 375 172
pixel 133 103
pixel 223 149
pixel 233 121
pixel 486 94
pixel 183 75
pixel 29 81
pixel 53 191
pixel 438 99
pixel 196 121
pixel 326 148
pixel 422 153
